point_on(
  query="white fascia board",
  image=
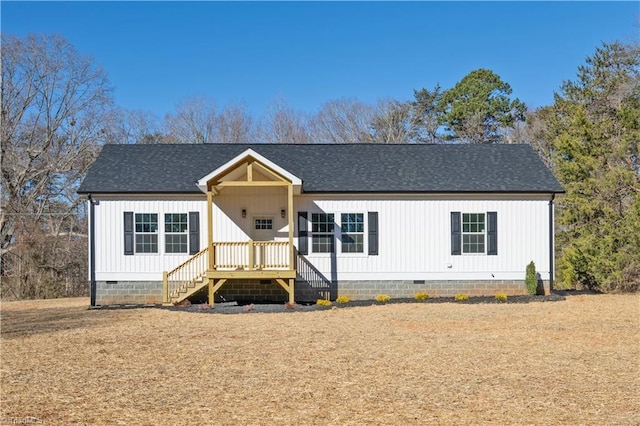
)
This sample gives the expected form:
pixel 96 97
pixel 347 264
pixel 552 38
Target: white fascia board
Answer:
pixel 296 181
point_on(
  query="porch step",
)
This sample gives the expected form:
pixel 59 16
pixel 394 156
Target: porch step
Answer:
pixel 188 289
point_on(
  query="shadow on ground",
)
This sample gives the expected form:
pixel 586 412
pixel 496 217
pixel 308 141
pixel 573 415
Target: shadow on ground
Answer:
pixel 22 323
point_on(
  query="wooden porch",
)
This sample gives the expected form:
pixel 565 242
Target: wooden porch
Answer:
pixel 222 261
pixel 233 260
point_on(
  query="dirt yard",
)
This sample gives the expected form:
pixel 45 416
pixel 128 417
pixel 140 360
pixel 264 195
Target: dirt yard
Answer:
pixel 566 362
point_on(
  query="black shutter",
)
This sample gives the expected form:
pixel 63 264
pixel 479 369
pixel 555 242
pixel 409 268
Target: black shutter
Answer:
pixel 373 233
pixel 303 240
pixel 194 232
pixel 492 233
pixel 128 233
pixel 456 234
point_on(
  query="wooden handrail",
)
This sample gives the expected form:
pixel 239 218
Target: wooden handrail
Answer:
pixel 251 254
pixel 191 259
pixel 248 255
pixel 184 275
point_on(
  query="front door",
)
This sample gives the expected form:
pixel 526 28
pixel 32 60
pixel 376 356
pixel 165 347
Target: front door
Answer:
pixel 263 228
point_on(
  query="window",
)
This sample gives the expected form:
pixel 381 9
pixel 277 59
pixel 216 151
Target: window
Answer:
pixel 263 223
pixel 322 225
pixel 473 232
pixel 352 227
pixel 146 231
pixel 176 232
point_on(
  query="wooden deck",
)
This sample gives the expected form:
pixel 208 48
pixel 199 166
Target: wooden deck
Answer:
pixel 235 260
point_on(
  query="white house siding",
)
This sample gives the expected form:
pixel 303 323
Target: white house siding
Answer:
pixel 415 238
pixel 414 235
pixel 111 262
pixel 228 223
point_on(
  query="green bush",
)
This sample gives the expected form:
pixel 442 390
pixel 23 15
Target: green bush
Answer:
pixel 531 279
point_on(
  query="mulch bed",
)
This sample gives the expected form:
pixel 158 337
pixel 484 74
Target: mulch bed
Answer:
pixel 246 307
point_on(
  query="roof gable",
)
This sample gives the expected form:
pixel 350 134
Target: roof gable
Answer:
pixel 249 156
pixel 324 168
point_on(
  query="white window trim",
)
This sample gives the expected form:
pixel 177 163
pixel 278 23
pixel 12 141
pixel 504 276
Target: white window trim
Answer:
pixel 164 236
pixel 365 236
pixel 337 236
pixel 463 233
pixel 157 233
pixel 312 234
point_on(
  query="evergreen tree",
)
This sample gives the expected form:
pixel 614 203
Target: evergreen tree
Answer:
pixel 594 130
pixel 478 108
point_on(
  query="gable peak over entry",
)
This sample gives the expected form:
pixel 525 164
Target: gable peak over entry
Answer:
pixel 249 169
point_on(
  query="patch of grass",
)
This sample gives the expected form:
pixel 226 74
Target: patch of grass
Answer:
pixel 323 302
pixel 461 297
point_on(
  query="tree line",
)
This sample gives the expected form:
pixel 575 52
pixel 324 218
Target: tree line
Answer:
pixel 478 109
pixel 58 110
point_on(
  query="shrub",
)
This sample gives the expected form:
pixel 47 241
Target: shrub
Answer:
pixel 343 299
pixel 323 302
pixel 382 298
pixel 501 297
pixel 461 297
pixel 531 279
pixel 421 295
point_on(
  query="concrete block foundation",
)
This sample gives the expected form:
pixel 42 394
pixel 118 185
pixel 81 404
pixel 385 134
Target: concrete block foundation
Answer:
pixel 150 292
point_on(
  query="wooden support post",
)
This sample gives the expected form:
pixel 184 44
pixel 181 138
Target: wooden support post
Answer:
pixel 292 284
pixel 289 288
pixel 165 287
pixel 211 292
pixel 292 265
pixel 212 254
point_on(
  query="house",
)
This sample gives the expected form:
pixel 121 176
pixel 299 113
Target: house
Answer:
pixel 302 222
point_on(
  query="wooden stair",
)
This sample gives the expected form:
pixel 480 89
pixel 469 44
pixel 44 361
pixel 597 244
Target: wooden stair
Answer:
pixel 186 279
pixel 187 289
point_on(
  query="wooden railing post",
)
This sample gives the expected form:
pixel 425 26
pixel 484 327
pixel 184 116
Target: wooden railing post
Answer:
pixel 165 287
pixel 251 256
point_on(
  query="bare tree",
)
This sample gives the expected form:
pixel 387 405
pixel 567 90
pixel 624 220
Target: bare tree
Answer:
pixel 535 131
pixel 234 125
pixel 193 122
pixel 342 121
pixel 197 121
pixel 135 127
pixel 428 114
pixel 54 104
pixel 284 125
pixel 392 122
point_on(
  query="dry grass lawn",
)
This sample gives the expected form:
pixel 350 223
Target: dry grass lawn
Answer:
pixel 568 362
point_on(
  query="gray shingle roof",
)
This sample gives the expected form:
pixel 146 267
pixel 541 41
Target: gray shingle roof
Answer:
pixel 328 168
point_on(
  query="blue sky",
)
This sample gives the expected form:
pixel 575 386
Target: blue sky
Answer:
pixel 157 53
